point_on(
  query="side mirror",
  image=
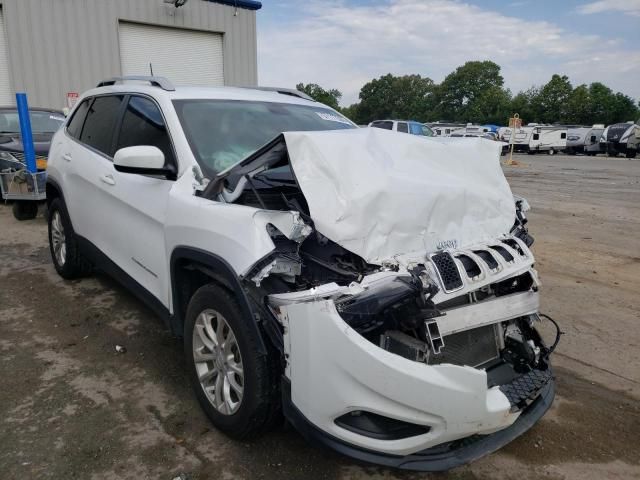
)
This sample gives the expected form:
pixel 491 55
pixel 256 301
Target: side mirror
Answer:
pixel 142 160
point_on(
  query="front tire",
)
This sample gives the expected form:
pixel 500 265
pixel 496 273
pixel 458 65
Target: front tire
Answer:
pixel 63 244
pixel 237 386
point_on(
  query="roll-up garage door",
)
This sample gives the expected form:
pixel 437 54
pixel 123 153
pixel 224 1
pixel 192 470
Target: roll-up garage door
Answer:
pixel 186 57
pixel 6 96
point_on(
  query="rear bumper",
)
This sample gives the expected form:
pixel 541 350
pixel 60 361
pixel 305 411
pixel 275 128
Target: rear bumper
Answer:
pixel 438 458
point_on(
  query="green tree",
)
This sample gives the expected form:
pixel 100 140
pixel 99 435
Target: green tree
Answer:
pixel 625 108
pixel 319 94
pixel 525 104
pixel 405 97
pixel 473 92
pixel 553 99
pixel 579 107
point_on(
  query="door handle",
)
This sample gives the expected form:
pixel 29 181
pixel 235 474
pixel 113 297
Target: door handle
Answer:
pixel 108 179
pixel 67 157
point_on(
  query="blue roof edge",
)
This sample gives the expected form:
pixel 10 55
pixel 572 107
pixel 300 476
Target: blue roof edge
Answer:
pixel 248 4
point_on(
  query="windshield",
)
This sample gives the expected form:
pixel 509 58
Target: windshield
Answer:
pixel 419 129
pixel 41 122
pixel 223 132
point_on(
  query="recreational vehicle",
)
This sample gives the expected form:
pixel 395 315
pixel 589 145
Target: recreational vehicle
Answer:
pixel 584 140
pixel 548 138
pixel 615 139
pixel 521 137
pixel 444 129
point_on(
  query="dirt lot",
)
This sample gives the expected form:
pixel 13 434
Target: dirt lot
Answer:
pixel 71 407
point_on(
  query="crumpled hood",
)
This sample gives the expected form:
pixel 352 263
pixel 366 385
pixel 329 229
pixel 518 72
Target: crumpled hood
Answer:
pixel 382 194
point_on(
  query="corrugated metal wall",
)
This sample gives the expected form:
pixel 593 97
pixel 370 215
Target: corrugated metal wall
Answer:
pixel 57 46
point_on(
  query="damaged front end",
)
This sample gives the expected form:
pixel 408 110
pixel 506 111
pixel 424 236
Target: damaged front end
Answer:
pixel 419 360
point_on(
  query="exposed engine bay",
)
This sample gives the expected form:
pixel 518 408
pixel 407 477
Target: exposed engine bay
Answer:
pixel 476 306
pixel 399 265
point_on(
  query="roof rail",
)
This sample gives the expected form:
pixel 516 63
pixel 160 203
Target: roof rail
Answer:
pixel 161 82
pixel 285 91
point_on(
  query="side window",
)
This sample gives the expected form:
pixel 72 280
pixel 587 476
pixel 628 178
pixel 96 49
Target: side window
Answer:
pixel 563 135
pixel 143 124
pixel 593 139
pixel 100 123
pixel 385 125
pixel 536 136
pixel 74 127
pixel 402 127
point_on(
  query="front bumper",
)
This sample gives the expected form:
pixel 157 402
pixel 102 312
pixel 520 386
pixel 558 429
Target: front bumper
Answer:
pixel 333 371
pixel 435 459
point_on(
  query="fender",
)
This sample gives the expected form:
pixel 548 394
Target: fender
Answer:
pixel 218 269
pixel 56 186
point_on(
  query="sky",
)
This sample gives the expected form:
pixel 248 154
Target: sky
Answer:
pixel 344 44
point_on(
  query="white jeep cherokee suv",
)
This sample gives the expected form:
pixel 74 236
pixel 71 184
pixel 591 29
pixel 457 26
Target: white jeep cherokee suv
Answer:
pixel 376 289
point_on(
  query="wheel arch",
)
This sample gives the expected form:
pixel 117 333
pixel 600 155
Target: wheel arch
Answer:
pixel 192 268
pixel 53 190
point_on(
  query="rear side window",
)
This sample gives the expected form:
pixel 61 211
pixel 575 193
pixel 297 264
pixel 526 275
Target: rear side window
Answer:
pixel 384 125
pixel 563 135
pixel 536 136
pixel 143 125
pixel 74 128
pixel 402 127
pixel 100 123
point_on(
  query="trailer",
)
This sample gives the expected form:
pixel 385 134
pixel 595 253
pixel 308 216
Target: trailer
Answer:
pixel 548 138
pixel 584 140
pixel 444 129
pixel 521 138
pixel 620 138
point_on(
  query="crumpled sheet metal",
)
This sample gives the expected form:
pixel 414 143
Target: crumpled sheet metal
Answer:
pixel 382 194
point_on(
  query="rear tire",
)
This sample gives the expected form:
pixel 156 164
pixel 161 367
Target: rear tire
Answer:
pixel 237 386
pixel 63 244
pixel 25 210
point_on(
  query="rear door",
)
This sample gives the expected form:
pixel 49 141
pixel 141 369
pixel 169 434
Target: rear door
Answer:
pixel 137 204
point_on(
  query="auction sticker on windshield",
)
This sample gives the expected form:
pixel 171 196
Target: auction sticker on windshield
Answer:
pixel 331 117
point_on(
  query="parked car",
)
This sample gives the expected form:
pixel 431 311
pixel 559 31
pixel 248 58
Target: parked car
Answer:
pixel 322 273
pixel 504 147
pixel 44 123
pixel 618 137
pixel 404 126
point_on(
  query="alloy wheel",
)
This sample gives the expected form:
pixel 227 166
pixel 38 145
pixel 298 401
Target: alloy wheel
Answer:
pixel 58 239
pixel 218 362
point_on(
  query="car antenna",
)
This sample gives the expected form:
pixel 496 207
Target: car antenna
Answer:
pixel 151 68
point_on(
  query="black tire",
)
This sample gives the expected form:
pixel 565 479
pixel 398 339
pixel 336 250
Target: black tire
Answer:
pixel 74 264
pixel 551 151
pixel 260 406
pixel 25 210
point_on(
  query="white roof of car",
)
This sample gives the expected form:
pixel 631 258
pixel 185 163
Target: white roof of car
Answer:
pixel 220 93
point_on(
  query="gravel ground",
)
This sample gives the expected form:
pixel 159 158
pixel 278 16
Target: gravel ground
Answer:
pixel 72 407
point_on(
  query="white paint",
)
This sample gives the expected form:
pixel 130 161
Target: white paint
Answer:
pixel 334 370
pixel 381 194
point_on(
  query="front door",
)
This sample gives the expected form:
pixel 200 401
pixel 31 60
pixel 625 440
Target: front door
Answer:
pixel 137 204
